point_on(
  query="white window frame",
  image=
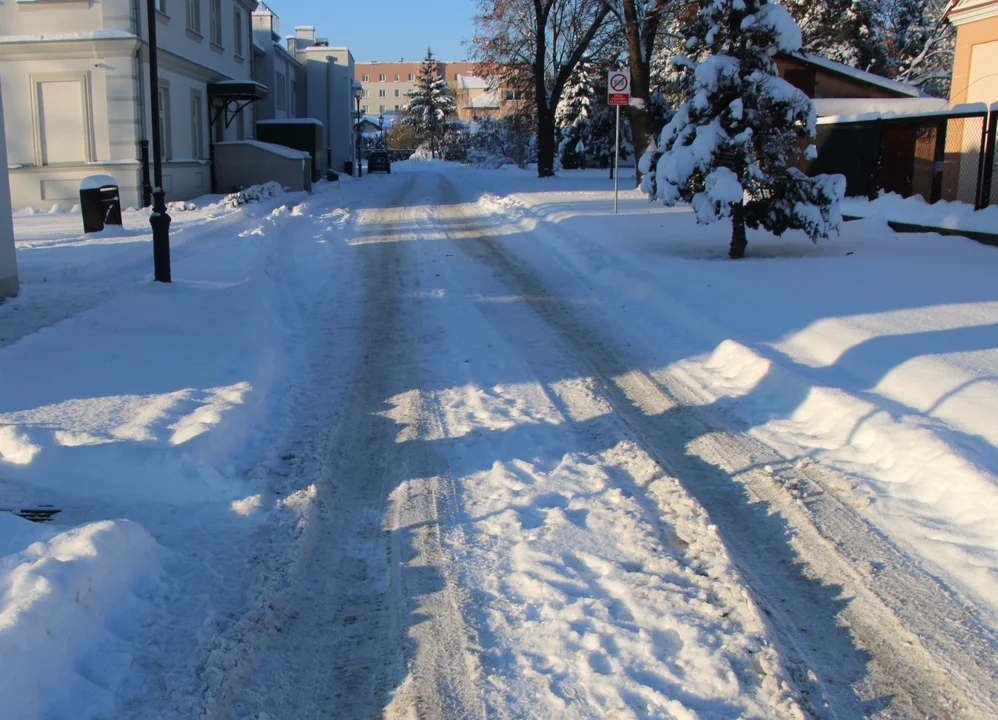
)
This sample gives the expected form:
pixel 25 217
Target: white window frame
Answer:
pixel 397 94
pixel 281 87
pixel 364 78
pixel 194 16
pixel 88 116
pixel 381 77
pixel 381 109
pixel 237 32
pixel 366 93
pixel 381 93
pixel 197 125
pixel 412 77
pixel 215 21
pixel 396 77
pixel 165 126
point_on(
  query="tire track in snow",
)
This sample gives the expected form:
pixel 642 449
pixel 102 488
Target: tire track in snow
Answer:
pixel 369 586
pixel 846 651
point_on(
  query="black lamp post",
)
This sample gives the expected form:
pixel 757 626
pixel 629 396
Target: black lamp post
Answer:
pixel 381 127
pixel 159 219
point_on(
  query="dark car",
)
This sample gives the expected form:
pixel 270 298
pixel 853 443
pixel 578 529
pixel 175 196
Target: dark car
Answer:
pixel 379 162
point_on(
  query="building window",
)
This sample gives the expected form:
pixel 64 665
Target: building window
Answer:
pixel 364 77
pixel 411 77
pixel 396 108
pixel 161 6
pixel 396 92
pixel 215 24
pixel 365 93
pixel 282 91
pixel 381 108
pixel 514 95
pixel 294 100
pixel 237 22
pixel 164 123
pixel 197 126
pixel 396 77
pixel 381 93
pixel 63 121
pixel 381 77
pixel 194 16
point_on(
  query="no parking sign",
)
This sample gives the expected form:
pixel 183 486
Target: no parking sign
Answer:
pixel 619 87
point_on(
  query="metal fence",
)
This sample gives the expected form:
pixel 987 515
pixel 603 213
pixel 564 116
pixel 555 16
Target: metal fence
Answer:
pixel 941 156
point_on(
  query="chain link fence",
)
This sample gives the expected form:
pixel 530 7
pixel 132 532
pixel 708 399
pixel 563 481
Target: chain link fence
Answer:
pixel 940 156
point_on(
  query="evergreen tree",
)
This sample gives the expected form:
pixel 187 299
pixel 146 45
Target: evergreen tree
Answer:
pixel 730 148
pixel 847 31
pixel 429 105
pixel 574 114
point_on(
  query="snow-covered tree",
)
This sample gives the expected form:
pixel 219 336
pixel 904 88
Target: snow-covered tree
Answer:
pixel 429 105
pixel 730 149
pixel 847 31
pixel 920 44
pixel 574 113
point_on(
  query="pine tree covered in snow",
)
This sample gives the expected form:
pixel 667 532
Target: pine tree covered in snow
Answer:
pixel 573 115
pixel 429 105
pixel 920 44
pixel 730 148
pixel 847 31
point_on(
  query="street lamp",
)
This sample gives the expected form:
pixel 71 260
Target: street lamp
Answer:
pixel 381 127
pixel 358 92
pixel 159 219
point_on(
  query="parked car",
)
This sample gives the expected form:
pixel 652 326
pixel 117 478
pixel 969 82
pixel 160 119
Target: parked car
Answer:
pixel 378 162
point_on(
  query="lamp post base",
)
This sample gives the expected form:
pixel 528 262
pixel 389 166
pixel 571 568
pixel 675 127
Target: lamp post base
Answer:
pixel 160 222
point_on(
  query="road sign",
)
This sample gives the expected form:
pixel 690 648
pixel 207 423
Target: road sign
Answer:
pixel 619 87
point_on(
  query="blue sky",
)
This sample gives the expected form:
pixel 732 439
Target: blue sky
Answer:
pixel 385 30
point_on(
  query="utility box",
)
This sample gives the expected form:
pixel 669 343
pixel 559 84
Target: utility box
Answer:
pixel 100 204
pixel 303 134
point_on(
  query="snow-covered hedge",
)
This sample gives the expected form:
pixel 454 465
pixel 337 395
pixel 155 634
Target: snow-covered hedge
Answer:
pixel 254 193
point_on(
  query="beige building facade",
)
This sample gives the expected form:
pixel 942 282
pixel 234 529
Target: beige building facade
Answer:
pixel 975 62
pixel 75 83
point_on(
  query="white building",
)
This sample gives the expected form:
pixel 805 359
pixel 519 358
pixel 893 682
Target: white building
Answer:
pixel 75 85
pixel 8 261
pixel 276 68
pixel 327 77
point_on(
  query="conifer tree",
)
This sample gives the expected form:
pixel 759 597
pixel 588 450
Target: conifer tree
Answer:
pixel 731 147
pixel 575 111
pixel 429 105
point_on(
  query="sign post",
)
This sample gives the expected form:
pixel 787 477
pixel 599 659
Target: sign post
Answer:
pixel 619 93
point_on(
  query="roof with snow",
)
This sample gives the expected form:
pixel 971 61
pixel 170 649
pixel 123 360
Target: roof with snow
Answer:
pixel 487 100
pixel 857 74
pixel 472 82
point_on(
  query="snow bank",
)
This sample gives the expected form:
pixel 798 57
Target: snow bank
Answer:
pixel 872 353
pixel 69 603
pixel 914 210
pixel 160 392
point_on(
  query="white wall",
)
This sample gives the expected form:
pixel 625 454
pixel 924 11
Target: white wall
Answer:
pixel 8 261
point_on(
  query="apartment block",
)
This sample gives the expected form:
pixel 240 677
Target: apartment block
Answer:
pixel 385 84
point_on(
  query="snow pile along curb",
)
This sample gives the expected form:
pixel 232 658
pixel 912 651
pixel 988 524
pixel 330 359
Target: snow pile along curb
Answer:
pixel 69 604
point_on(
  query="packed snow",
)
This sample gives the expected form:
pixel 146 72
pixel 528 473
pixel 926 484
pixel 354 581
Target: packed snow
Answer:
pixel 613 473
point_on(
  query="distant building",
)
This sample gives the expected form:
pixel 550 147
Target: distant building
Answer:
pixel 8 260
pixel 975 63
pixel 326 74
pixel 275 67
pixel 385 84
pixel 76 91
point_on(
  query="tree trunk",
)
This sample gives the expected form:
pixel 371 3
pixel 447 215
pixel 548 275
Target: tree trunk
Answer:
pixel 640 66
pixel 738 239
pixel 545 142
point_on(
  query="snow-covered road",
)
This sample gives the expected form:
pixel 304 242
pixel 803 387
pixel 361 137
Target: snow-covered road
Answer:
pixel 516 519
pixel 422 447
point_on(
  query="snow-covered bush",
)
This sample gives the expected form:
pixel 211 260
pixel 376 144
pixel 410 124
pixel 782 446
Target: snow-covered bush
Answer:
pixel 254 193
pixel 731 148
pixel 181 206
